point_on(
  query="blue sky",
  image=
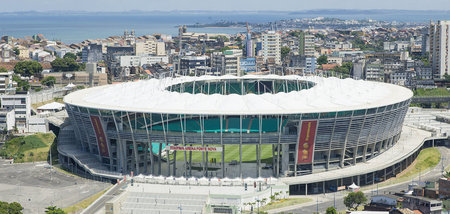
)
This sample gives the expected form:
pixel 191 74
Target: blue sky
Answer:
pixel 288 5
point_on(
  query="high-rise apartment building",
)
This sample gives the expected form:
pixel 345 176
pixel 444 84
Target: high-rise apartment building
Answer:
pixel 92 53
pixel 306 44
pixel 439 48
pixel 271 47
pixel 249 44
pixel 227 62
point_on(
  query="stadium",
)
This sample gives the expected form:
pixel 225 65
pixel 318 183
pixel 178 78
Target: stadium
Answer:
pixel 228 126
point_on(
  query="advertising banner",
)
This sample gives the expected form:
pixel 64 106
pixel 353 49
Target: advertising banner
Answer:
pixel 306 142
pixel 195 148
pixel 100 134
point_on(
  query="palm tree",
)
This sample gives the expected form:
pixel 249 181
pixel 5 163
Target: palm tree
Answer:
pixel 259 203
pixel 276 195
pixel 263 201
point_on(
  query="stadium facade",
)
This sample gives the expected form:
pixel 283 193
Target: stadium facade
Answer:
pixel 228 126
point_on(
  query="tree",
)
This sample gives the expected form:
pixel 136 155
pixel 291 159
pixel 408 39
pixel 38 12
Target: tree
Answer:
pixel 48 81
pixel 10 208
pixel 284 52
pixel 28 68
pixel 54 210
pixel 22 84
pixel 3 70
pixel 16 51
pixel 331 210
pixel 447 174
pixel 354 199
pixel 346 68
pixel 322 60
pixel 70 56
pixel 65 64
pixel 225 49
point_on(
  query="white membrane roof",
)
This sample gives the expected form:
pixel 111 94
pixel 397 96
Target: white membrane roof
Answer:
pixel 328 95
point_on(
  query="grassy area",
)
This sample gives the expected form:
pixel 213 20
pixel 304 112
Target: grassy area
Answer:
pixel 28 148
pixel 284 203
pixel 232 153
pixel 84 203
pixel 435 92
pixel 427 159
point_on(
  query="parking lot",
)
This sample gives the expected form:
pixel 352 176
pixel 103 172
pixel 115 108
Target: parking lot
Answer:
pixel 36 186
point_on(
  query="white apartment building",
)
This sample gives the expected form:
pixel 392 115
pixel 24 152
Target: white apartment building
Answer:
pixel 334 60
pixel 308 45
pixel 7 119
pixel 21 105
pixel 227 62
pixel 150 47
pixel 6 82
pixel 439 48
pixel 271 47
pixel 131 61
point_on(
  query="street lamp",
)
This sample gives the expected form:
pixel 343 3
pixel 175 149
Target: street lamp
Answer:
pixel 419 173
pixel 317 204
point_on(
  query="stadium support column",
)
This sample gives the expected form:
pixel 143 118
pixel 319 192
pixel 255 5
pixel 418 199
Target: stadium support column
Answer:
pixel 345 142
pixel 366 146
pixel 160 145
pixel 183 119
pixel 331 141
pixel 240 146
pixel 122 153
pixel 134 145
pixel 203 141
pixel 205 167
pixel 258 173
pixel 223 147
pixel 109 150
pixel 359 136
pixel 280 122
pixel 149 143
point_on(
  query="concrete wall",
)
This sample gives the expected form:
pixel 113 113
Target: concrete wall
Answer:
pixel 47 95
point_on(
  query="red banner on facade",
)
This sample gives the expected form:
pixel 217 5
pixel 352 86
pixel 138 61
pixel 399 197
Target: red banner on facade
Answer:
pixel 306 142
pixel 100 134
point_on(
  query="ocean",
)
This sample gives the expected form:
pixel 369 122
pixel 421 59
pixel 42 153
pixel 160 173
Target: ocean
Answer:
pixel 76 27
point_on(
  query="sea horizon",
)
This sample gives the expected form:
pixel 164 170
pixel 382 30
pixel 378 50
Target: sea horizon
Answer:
pixel 76 26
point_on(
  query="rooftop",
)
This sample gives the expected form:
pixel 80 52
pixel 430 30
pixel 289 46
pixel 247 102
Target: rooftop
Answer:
pixel 327 95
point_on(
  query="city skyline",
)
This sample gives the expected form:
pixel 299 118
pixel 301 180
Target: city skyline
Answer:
pixel 231 5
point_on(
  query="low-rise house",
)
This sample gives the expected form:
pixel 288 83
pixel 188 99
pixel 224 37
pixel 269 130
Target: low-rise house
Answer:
pixel 424 205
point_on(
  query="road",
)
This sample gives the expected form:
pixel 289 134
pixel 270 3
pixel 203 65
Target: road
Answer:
pixel 323 201
pixel 36 186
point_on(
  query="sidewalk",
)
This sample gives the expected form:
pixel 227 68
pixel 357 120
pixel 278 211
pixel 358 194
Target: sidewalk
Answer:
pixel 327 197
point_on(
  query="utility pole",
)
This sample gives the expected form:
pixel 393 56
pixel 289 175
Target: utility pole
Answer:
pixel 180 37
pixel 317 204
pixel 442 163
pixel 334 200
